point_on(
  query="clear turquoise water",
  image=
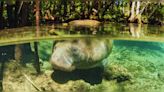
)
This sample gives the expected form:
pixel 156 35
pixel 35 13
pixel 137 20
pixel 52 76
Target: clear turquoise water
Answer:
pixel 143 60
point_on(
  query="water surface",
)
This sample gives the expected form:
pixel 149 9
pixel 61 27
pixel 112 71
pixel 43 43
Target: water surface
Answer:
pixel 138 52
pixel 108 30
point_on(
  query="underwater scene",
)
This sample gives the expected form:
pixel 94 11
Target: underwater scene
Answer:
pixel 83 65
pixel 81 45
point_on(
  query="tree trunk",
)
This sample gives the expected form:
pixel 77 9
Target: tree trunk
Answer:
pixel 24 14
pixel 12 9
pixel 89 9
pixel 23 53
pixel 72 6
pixel 96 4
pixel 132 12
pixel 37 63
pixel 138 14
pixel 16 9
pixel 1 15
pixel 2 65
pixel 135 30
pixel 135 16
pixel 65 8
pixel 37 31
pixel 82 9
pixel 10 15
pixel 138 8
pixel 37 12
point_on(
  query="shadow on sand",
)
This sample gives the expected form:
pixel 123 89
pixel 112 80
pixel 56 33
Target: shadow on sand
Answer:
pixel 92 76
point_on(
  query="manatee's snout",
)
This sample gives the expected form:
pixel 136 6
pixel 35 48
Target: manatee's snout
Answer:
pixel 62 60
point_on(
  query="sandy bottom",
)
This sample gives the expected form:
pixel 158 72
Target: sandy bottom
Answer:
pixel 18 78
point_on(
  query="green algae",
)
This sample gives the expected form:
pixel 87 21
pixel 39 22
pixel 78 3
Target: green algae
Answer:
pixel 144 60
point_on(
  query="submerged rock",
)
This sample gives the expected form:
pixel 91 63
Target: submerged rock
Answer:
pixel 115 72
pixel 69 55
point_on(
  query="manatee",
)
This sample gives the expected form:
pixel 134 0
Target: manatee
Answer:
pixel 85 26
pixel 84 23
pixel 69 55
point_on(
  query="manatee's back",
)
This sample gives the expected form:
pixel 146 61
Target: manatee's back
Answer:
pixel 95 51
pixel 84 23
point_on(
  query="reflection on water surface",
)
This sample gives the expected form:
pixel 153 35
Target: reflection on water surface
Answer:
pixel 135 61
pixel 107 30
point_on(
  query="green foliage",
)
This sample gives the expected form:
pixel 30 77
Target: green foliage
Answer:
pixel 157 16
pixel 112 10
